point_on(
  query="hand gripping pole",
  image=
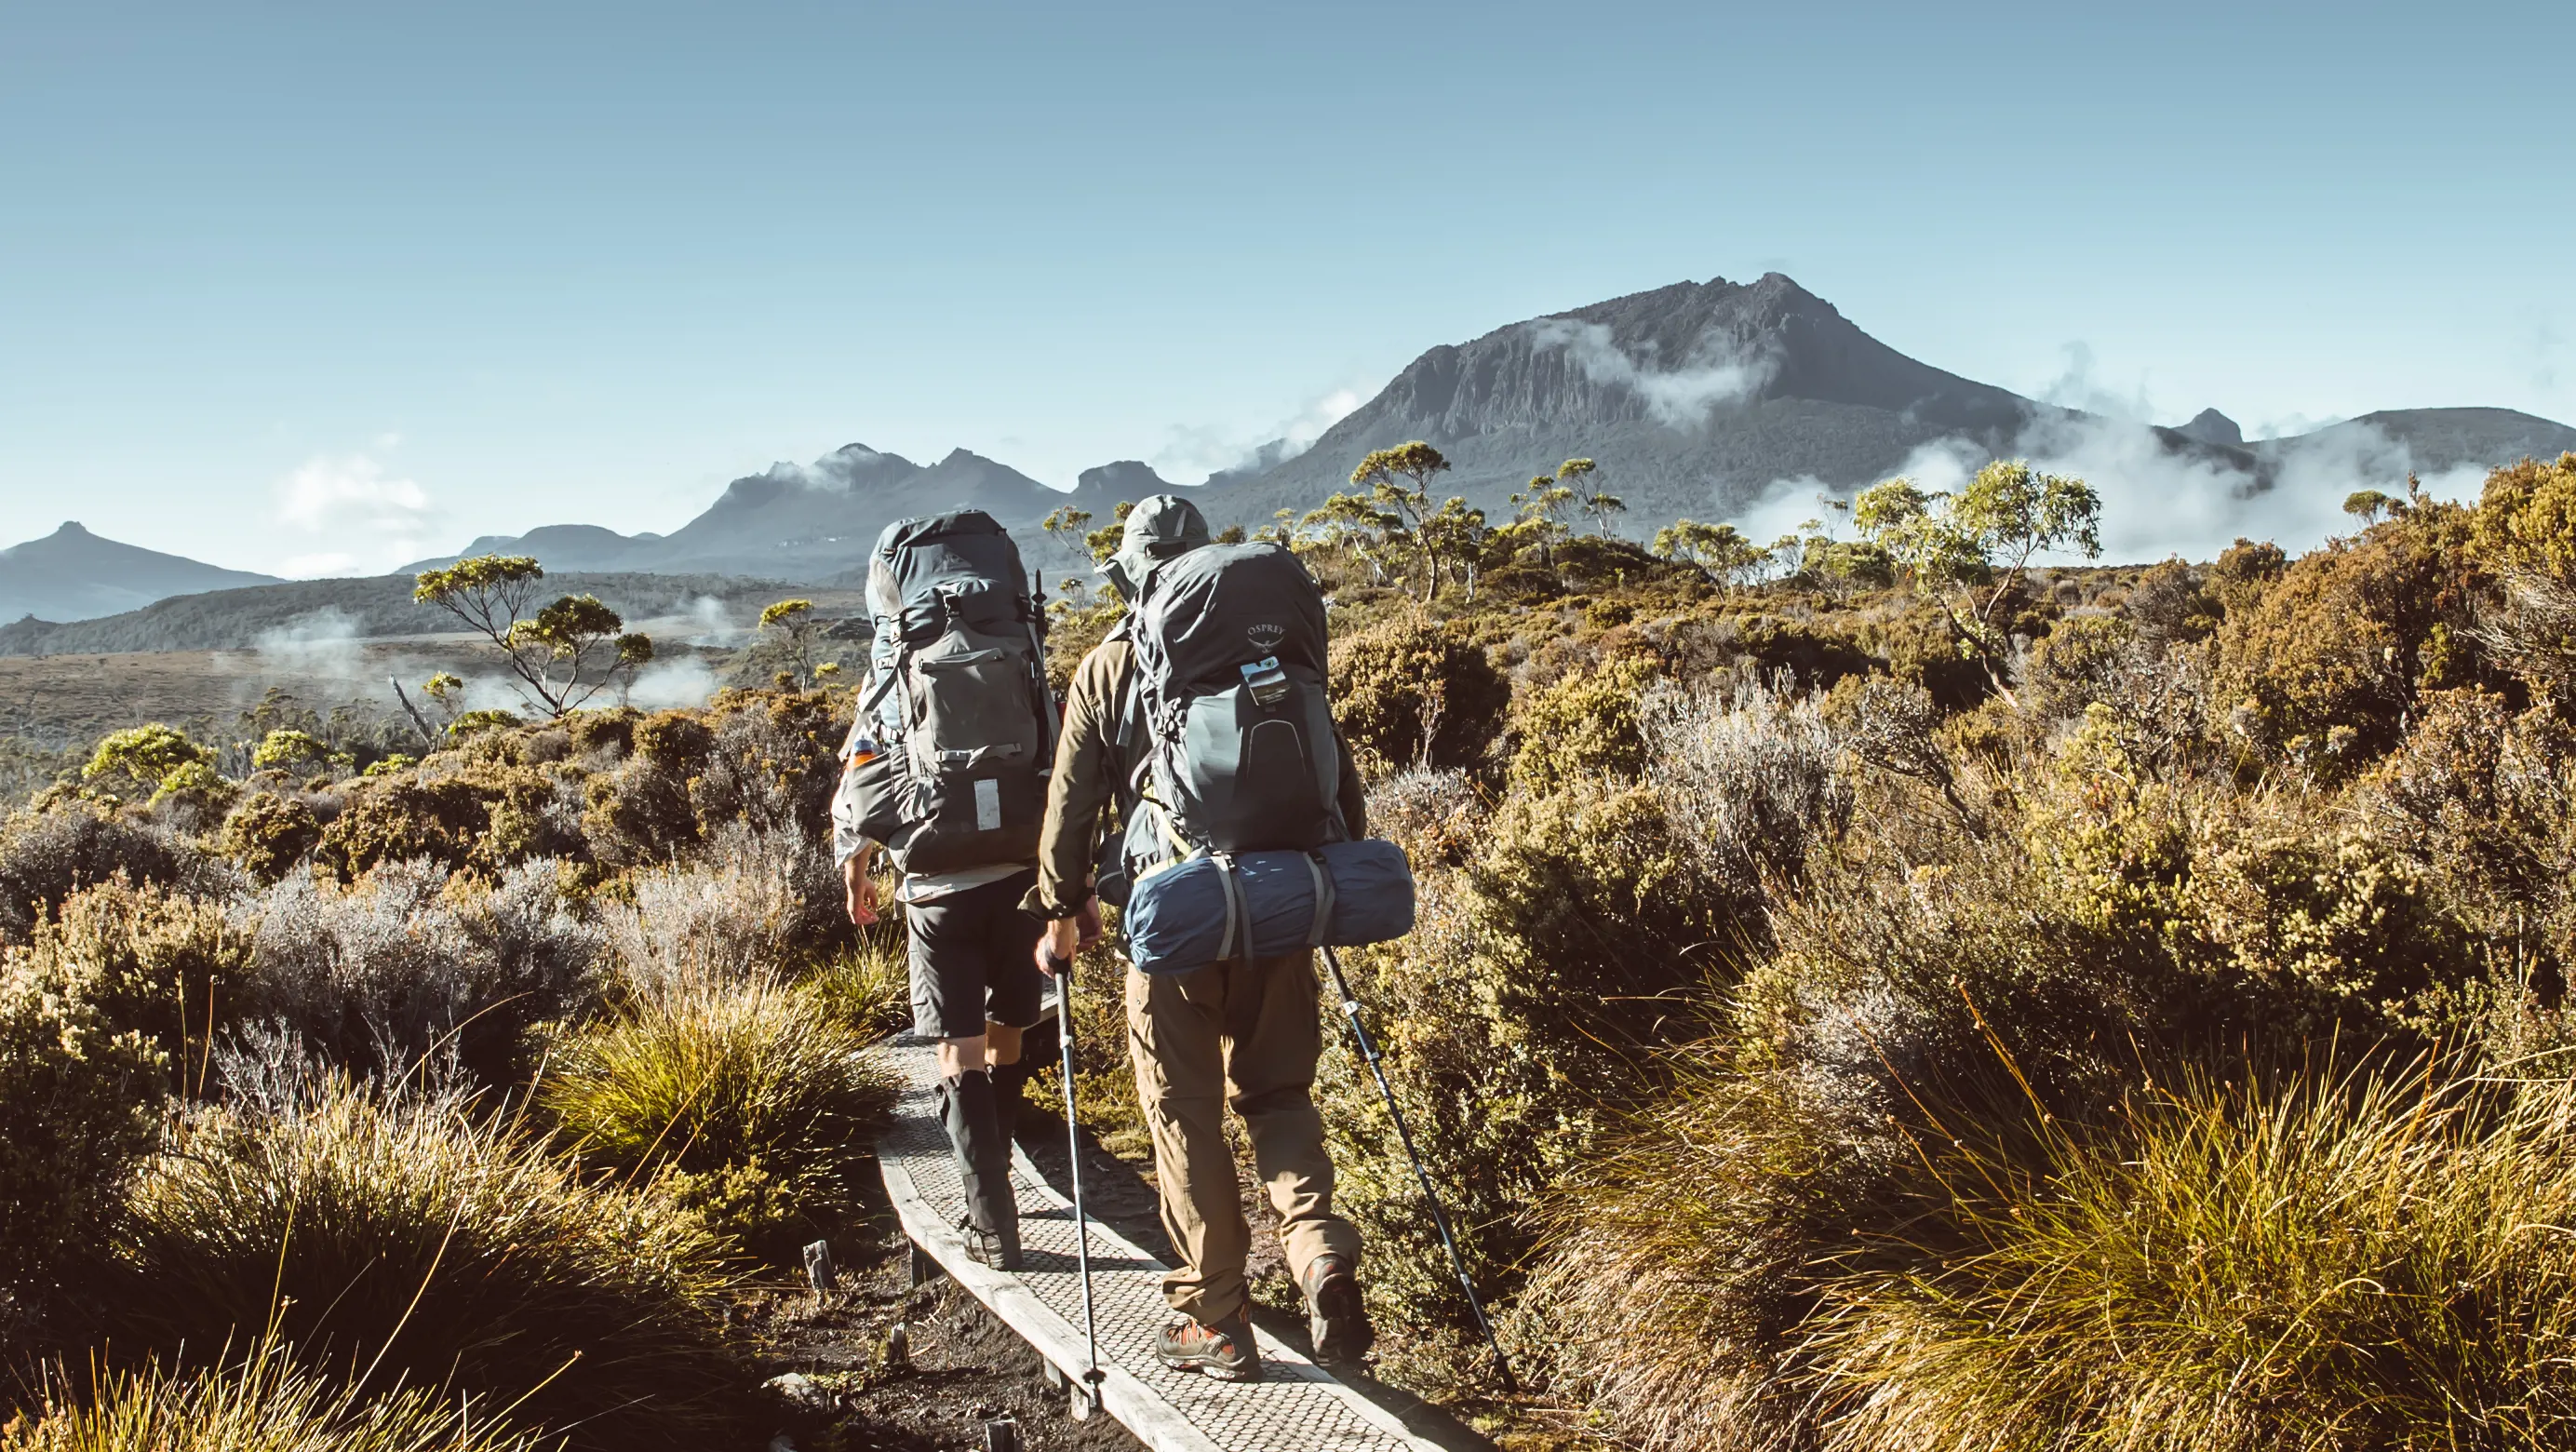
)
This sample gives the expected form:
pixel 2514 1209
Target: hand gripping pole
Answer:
pixel 1439 1217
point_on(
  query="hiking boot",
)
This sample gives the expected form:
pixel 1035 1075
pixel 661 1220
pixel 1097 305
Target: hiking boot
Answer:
pixel 1221 1349
pixel 1335 1315
pixel 999 1249
pixel 983 1170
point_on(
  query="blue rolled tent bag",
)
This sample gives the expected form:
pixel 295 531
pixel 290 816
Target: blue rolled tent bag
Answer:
pixel 1222 905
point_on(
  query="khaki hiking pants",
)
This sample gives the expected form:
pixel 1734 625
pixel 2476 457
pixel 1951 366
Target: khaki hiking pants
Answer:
pixel 1245 1034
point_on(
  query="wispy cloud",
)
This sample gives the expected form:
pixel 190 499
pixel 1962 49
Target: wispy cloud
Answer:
pixel 364 517
pixel 319 643
pixel 1679 396
pixel 2158 500
pixel 1191 452
pixel 2078 386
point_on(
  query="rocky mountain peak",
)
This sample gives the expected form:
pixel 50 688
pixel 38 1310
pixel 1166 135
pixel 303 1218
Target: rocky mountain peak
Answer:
pixel 1122 479
pixel 2212 427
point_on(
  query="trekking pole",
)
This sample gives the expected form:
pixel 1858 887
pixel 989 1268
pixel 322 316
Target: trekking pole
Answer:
pixel 1439 1217
pixel 1073 1160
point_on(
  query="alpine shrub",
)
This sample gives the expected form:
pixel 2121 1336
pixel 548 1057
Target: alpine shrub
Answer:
pixel 413 962
pixel 457 812
pixel 1413 693
pixel 171 967
pixel 47 856
pixel 753 902
pixel 1583 725
pixel 269 833
pixel 77 1099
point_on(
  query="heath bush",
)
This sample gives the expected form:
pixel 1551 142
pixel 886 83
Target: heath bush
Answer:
pixel 752 902
pixel 2322 669
pixel 1414 693
pixel 1548 976
pixel 414 962
pixel 641 811
pixel 156 962
pixel 267 833
pixel 46 856
pixel 1584 724
pixel 77 1104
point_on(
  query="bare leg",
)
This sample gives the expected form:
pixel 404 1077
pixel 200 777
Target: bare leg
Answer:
pixel 956 1056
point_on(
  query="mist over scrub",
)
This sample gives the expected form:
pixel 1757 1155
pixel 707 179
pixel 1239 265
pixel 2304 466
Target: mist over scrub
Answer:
pixel 1867 995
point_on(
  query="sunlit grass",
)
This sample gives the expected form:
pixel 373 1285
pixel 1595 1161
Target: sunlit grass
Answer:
pixel 2322 1265
pixel 420 1242
pixel 749 1096
pixel 263 1402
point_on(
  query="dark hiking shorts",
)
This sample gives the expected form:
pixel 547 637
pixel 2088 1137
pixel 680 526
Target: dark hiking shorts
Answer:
pixel 974 959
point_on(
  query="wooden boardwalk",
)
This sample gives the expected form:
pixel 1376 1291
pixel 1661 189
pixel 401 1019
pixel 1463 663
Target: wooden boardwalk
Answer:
pixel 1297 1406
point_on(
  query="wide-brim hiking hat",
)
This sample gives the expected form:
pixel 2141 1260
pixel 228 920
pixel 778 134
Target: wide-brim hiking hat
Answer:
pixel 1158 528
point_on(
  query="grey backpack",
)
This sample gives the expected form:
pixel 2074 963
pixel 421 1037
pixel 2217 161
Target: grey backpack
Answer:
pixel 1239 753
pixel 948 760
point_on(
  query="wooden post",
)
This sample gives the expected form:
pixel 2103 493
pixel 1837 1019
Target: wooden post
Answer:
pixel 818 1268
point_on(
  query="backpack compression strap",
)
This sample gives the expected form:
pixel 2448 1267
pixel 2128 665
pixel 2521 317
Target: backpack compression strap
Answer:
pixel 1238 918
pixel 1323 900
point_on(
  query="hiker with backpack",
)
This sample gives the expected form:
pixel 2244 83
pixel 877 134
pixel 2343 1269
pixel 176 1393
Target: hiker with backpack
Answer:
pixel 944 772
pixel 1203 719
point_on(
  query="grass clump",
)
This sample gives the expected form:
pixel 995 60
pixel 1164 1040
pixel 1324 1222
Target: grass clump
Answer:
pixel 869 988
pixel 261 1403
pixel 2320 1268
pixel 416 1238
pixel 2315 1266
pixel 749 1097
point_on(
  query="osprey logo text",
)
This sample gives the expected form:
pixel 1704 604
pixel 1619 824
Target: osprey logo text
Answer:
pixel 1265 637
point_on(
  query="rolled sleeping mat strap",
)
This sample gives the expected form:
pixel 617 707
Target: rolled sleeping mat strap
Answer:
pixel 1237 942
pixel 1323 900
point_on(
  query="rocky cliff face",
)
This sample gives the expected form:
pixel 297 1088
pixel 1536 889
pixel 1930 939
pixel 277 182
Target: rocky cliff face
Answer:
pixel 1691 399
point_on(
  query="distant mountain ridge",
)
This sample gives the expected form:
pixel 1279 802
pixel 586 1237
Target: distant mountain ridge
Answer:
pixel 73 574
pixel 1695 399
pixel 300 614
pixel 817 521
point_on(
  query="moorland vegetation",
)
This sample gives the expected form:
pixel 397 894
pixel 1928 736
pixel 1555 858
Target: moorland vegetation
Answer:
pixel 1898 987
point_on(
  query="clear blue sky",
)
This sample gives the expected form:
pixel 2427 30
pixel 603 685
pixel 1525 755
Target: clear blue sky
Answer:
pixel 297 286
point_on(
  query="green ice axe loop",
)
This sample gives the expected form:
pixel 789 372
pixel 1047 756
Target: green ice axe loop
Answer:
pixel 1439 1217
